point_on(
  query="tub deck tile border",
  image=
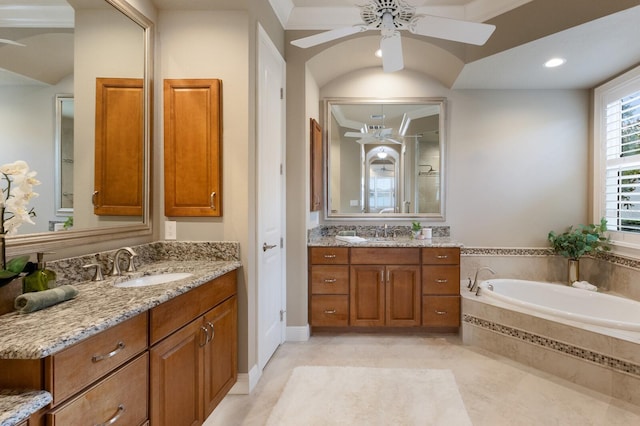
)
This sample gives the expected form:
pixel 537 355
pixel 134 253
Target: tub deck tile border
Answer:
pixel 545 342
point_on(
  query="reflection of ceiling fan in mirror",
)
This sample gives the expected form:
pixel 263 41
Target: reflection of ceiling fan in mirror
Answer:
pixel 374 135
pixel 392 15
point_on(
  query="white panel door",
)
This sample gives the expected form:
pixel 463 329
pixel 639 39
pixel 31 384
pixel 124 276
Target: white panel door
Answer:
pixel 271 207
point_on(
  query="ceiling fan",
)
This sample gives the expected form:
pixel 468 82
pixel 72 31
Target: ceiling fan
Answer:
pixel 390 16
pixel 379 135
pixel 14 43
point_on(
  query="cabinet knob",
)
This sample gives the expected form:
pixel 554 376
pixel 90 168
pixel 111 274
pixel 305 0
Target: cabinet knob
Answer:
pixel 441 312
pixel 330 311
pixel 111 354
pixel 330 280
pixel 442 256
pixel 329 256
pixel 442 281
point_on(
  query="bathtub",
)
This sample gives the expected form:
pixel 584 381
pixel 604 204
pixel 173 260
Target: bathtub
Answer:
pixel 566 302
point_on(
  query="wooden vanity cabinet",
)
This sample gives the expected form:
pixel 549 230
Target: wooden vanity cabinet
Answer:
pixel 441 287
pixel 193 357
pixel 385 287
pixel 329 286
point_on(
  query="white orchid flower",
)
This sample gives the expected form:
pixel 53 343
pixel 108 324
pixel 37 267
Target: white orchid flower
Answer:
pixel 16 195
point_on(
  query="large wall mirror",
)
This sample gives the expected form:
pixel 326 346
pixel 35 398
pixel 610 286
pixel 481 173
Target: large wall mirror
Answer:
pixel 385 158
pixel 50 61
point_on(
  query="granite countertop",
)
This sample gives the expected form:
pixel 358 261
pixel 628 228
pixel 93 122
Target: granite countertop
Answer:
pixel 17 405
pixel 98 306
pixel 331 241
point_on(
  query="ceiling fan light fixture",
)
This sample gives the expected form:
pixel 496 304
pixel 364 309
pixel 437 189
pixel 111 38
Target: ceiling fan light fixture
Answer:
pixel 381 154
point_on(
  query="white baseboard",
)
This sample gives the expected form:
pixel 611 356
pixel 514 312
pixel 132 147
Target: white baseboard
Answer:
pixel 246 382
pixel 298 334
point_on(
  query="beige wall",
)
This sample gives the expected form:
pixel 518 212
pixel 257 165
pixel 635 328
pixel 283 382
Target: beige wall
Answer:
pixel 221 44
pixel 517 161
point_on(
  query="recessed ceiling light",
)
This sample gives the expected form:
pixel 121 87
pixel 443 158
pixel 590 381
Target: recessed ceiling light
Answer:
pixel 379 53
pixel 554 62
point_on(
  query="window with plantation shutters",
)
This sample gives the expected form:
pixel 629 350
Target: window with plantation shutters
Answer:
pixel 622 171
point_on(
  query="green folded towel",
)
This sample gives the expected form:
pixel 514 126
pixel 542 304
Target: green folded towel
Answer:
pixel 30 302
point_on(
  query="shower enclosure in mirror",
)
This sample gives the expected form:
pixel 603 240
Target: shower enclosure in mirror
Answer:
pixel 385 158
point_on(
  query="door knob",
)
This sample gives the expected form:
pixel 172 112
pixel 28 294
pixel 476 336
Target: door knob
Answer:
pixel 266 246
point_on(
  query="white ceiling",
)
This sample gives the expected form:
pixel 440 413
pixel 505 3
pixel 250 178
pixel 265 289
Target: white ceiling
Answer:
pixel 594 51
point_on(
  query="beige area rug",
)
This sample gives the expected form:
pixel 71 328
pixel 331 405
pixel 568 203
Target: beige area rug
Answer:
pixel 369 396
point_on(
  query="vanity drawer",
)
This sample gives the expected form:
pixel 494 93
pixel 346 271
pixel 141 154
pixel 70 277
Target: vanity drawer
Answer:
pixel 330 311
pixel 330 279
pixel 83 363
pixel 441 256
pixel 441 311
pixel 121 398
pixel 443 280
pixel 329 255
pixel 385 256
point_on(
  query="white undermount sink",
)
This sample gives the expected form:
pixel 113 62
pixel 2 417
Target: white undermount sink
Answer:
pixel 156 279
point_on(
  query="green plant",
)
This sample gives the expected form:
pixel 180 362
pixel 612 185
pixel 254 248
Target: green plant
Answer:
pixel 580 240
pixel 415 226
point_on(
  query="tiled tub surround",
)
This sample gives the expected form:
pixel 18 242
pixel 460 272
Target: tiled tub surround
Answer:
pixel 100 305
pixel 598 358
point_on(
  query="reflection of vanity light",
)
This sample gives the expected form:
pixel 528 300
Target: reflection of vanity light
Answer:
pixel 381 154
pixel 379 53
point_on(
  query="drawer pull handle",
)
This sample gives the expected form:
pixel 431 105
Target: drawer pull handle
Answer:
pixel 329 256
pixel 442 256
pixel 442 281
pixel 111 354
pixel 212 202
pixel 206 336
pixel 213 331
pixel 441 312
pixel 330 280
pixel 330 311
pixel 115 418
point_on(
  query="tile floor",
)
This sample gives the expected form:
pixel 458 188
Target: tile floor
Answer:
pixel 495 390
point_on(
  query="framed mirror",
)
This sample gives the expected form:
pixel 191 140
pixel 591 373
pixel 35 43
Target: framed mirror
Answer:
pixel 63 168
pixel 385 159
pixel 83 41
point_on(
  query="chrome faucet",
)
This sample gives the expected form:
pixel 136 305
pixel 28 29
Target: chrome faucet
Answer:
pixel 385 230
pixel 475 279
pixel 115 267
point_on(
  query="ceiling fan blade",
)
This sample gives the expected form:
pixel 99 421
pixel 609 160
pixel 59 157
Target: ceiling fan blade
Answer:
pixel 354 134
pixel 327 36
pixel 14 43
pixel 392 141
pixel 391 47
pixel 451 29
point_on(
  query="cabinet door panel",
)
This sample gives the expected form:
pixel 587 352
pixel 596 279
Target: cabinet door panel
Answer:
pixel 403 296
pixel 441 255
pixel 441 311
pixel 330 279
pixel 121 397
pixel 443 280
pixel 176 377
pixel 193 147
pixel 329 310
pixel 119 149
pixel 220 354
pixel 367 296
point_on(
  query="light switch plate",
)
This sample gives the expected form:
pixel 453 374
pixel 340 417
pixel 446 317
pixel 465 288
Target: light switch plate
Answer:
pixel 170 230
